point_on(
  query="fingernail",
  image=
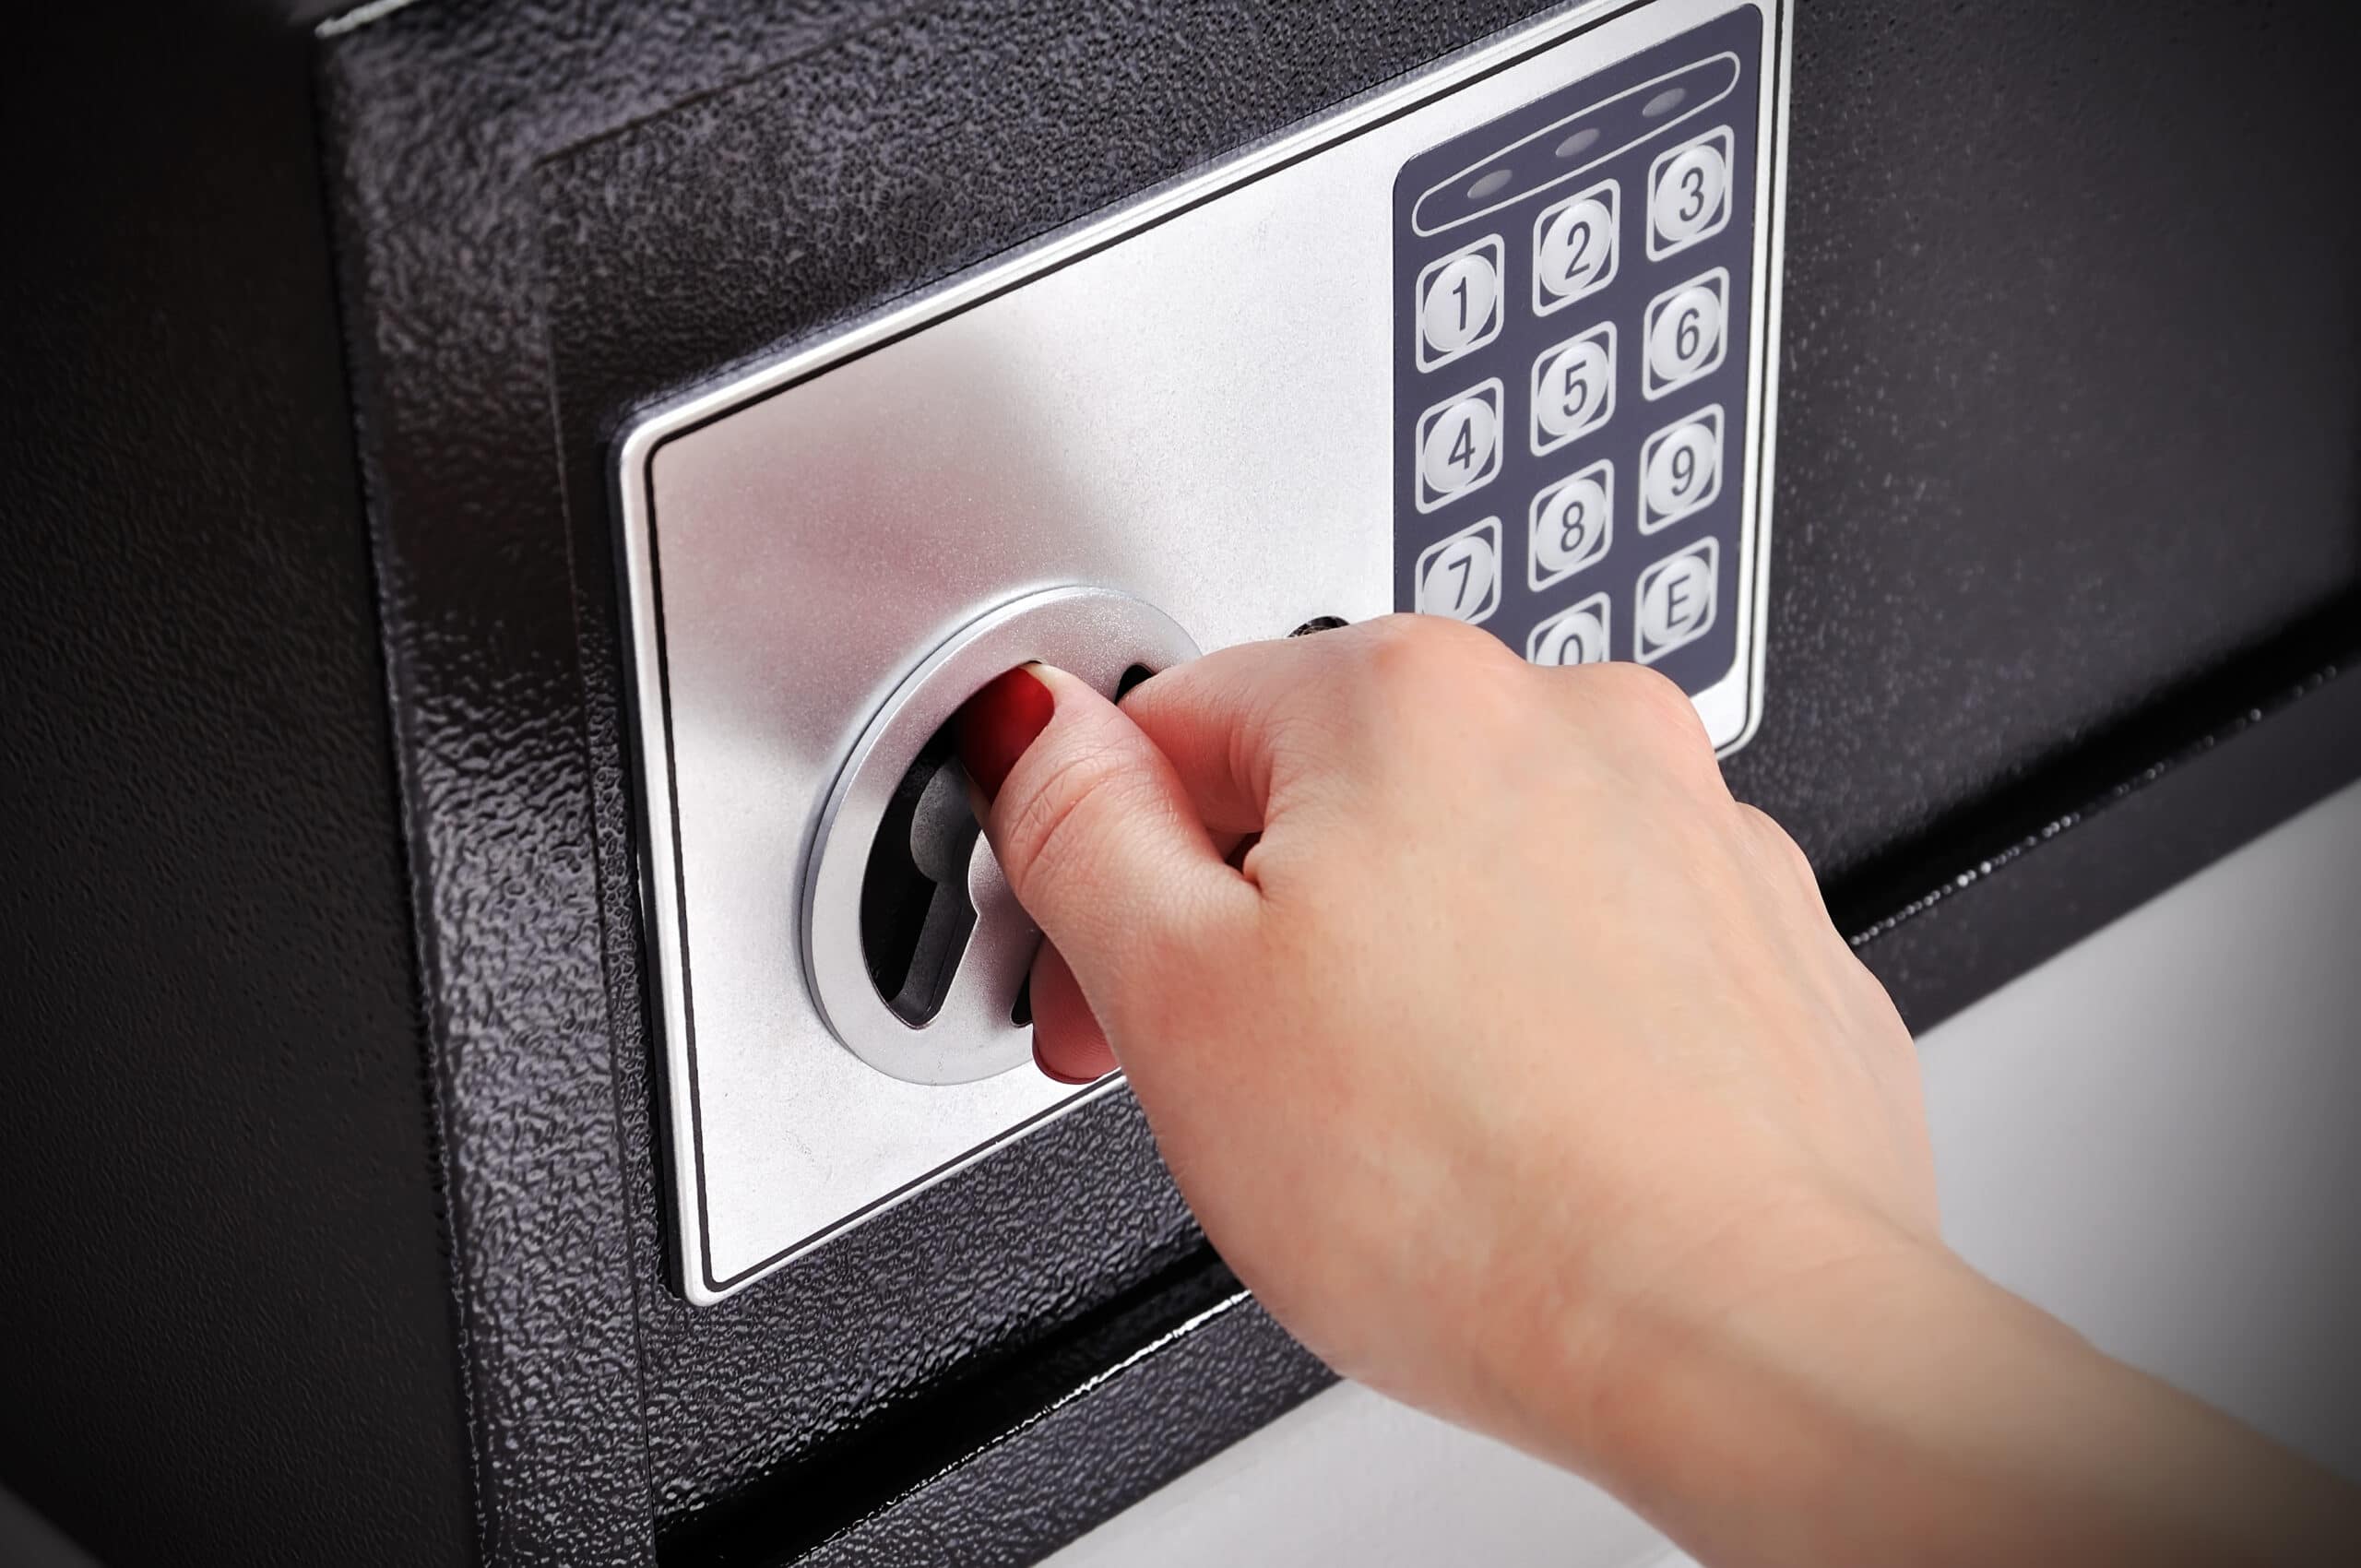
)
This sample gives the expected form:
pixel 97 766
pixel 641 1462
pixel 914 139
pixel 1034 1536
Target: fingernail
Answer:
pixel 993 727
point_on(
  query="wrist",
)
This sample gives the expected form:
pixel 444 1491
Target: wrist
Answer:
pixel 1733 1338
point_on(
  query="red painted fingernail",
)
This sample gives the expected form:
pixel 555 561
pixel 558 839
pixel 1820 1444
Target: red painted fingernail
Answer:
pixel 993 727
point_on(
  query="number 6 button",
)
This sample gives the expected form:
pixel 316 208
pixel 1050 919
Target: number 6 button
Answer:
pixel 1459 445
pixel 1460 576
pixel 1680 470
pixel 1688 330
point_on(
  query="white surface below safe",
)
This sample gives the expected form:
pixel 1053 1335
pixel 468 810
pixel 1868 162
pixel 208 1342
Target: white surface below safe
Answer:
pixel 2152 1135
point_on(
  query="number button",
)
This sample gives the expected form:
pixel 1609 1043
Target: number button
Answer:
pixel 1460 576
pixel 1574 387
pixel 1459 446
pixel 1573 524
pixel 1680 470
pixel 1676 600
pixel 1571 636
pixel 1573 248
pixel 1689 193
pixel 1688 332
pixel 1459 303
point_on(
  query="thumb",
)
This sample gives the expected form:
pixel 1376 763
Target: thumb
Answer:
pixel 1093 830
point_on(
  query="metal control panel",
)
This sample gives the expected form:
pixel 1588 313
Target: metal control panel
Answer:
pixel 1354 370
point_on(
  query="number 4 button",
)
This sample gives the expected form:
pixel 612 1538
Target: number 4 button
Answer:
pixel 1460 576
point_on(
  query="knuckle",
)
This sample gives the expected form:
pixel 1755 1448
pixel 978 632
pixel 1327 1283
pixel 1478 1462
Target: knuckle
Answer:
pixel 1777 842
pixel 1047 841
pixel 1653 702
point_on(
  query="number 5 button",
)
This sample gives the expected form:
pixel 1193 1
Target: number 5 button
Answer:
pixel 1460 576
pixel 1458 447
pixel 1574 387
pixel 1680 470
pixel 1688 332
pixel 1459 302
pixel 1689 189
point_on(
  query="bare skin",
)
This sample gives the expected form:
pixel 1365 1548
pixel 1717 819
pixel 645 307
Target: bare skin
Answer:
pixel 1519 1071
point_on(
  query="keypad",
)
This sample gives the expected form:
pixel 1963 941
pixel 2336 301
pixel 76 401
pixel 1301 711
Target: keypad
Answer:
pixel 1575 308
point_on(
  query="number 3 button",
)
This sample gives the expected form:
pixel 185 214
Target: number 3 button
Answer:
pixel 1460 576
pixel 1689 194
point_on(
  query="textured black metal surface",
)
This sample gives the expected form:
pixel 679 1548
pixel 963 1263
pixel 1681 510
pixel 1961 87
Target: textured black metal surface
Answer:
pixel 2071 401
pixel 230 1337
pixel 2007 528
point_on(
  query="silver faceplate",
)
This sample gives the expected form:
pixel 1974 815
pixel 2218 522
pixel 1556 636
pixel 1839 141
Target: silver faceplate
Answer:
pixel 1188 400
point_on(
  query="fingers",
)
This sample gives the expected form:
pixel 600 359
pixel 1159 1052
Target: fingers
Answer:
pixel 1068 1043
pixel 1097 836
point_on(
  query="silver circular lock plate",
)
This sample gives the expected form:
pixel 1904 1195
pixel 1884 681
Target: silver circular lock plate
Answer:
pixel 1094 634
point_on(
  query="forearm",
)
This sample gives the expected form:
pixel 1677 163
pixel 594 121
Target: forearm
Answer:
pixel 1891 1406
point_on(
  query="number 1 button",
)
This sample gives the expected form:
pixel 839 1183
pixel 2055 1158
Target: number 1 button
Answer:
pixel 1459 303
pixel 1460 576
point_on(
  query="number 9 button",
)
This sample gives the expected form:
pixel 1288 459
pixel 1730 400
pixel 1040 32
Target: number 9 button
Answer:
pixel 1680 470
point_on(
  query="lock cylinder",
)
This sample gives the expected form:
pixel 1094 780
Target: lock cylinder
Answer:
pixel 913 947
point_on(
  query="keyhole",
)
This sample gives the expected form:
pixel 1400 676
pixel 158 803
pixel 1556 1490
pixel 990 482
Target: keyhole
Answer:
pixel 916 911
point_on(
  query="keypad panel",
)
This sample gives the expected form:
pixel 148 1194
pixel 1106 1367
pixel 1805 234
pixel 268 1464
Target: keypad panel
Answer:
pixel 1576 296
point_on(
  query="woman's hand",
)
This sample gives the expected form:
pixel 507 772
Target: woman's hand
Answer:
pixel 1518 1069
pixel 1511 1029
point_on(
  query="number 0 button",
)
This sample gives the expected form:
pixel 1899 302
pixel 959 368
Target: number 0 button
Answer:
pixel 1460 576
pixel 1680 470
pixel 1571 636
pixel 1689 193
pixel 1459 445
pixel 1687 329
pixel 1459 303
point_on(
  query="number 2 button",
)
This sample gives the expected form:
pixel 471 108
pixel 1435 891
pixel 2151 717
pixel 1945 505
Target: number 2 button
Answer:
pixel 1459 303
pixel 1459 445
pixel 1573 248
pixel 1460 576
